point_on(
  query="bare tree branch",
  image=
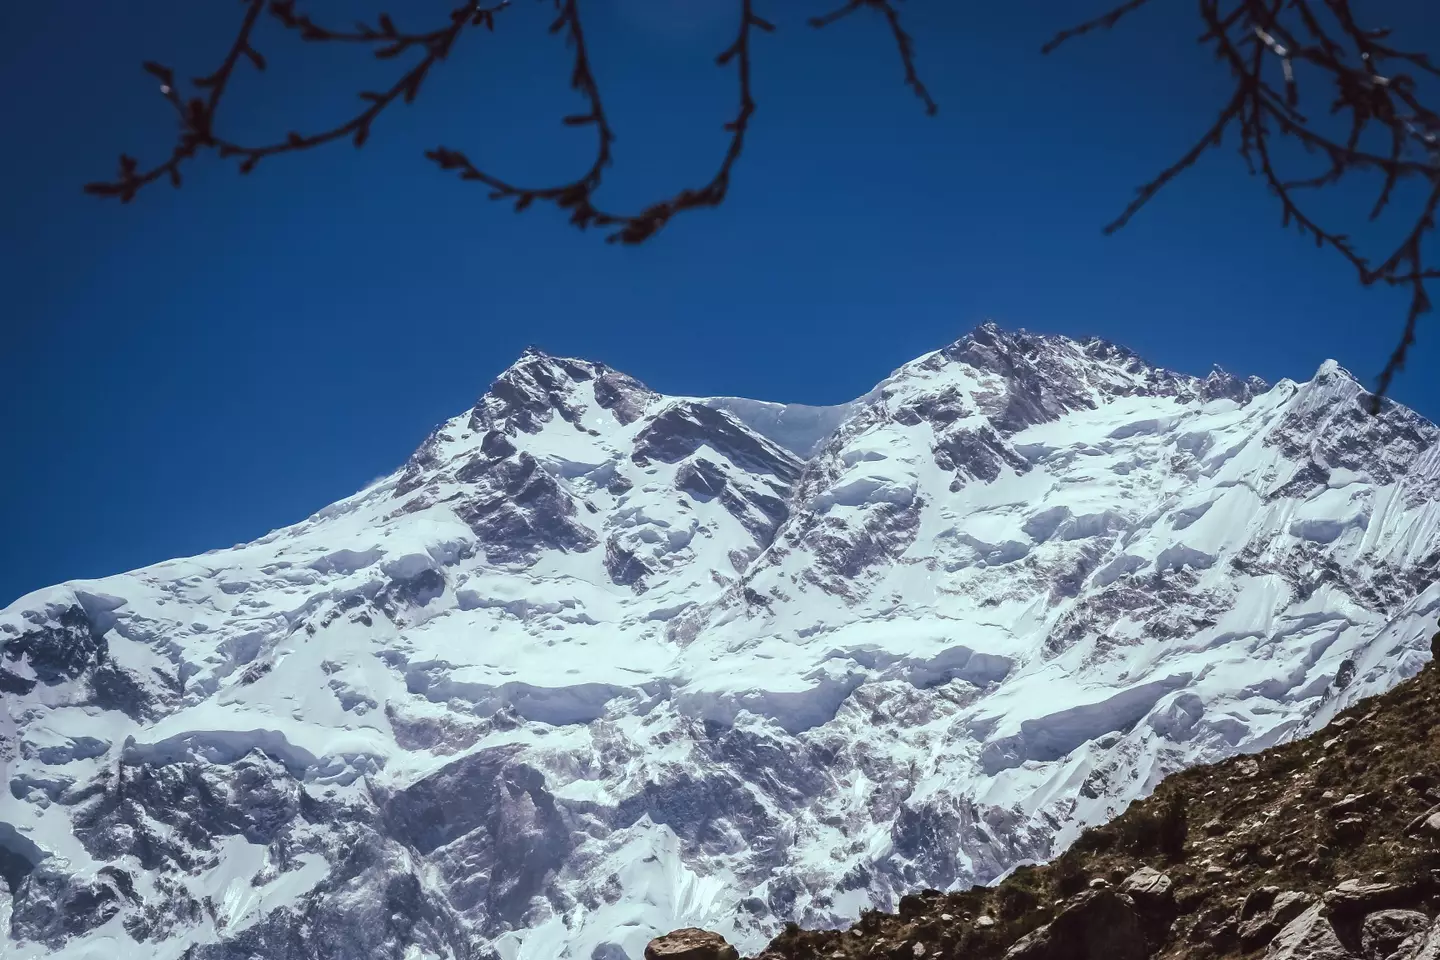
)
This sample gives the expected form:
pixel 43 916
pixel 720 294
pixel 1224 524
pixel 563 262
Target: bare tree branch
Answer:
pixel 1103 22
pixel 578 196
pixel 1377 120
pixel 903 42
pixel 199 116
pixel 1267 46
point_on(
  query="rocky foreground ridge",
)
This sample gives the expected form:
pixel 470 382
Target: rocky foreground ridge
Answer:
pixel 1327 848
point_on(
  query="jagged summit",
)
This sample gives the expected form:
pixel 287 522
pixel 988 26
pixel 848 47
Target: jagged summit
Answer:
pixel 1080 372
pixel 1046 374
pixel 597 662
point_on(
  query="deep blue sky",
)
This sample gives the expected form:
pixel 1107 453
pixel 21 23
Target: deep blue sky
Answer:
pixel 205 365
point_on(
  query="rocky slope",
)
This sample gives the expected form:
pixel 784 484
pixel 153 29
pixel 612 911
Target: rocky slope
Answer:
pixel 597 663
pixel 1326 848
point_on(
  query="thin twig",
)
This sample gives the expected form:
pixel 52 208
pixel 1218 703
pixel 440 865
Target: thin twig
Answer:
pixel 1102 22
pixel 1369 90
pixel 578 195
pixel 199 117
pixel 904 43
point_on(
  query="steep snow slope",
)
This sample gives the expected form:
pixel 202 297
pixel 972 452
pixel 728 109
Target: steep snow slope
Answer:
pixel 597 663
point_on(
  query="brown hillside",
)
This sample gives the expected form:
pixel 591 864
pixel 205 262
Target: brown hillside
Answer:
pixel 1324 847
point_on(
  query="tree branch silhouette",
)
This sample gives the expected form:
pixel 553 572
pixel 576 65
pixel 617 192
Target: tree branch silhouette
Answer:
pixel 903 42
pixel 198 116
pixel 1270 48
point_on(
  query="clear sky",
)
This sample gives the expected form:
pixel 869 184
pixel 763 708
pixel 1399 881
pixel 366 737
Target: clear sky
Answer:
pixel 207 364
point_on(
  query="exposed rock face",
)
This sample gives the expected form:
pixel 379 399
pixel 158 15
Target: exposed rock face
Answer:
pixel 598 663
pixel 1309 936
pixel 1420 946
pixel 520 510
pixel 1263 916
pixel 1356 898
pixel 690 944
pixel 64 648
pixel 1382 932
pixel 1102 925
pixel 489 828
pixel 1148 885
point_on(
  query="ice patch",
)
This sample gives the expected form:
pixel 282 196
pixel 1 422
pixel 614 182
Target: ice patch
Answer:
pixel 1086 525
pixel 798 428
pixel 1117 568
pixel 219 746
pixel 558 705
pixel 1177 719
pixel 16 844
pixel 408 566
pixel 951 663
pixel 346 561
pixel 1055 735
pixel 78 748
pixel 862 490
pixel 1042 526
pixel 1139 427
pixel 810 704
pixel 1326 530
pixel 1185 516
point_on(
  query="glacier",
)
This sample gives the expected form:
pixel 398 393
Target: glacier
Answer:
pixel 597 663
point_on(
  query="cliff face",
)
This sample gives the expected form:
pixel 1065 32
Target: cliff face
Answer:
pixel 597 663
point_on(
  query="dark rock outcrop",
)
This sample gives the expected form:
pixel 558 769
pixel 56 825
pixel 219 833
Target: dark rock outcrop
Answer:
pixel 1310 936
pixel 1382 932
pixel 683 428
pixel 489 827
pixel 1100 925
pixel 521 509
pixel 690 944
pixel 64 648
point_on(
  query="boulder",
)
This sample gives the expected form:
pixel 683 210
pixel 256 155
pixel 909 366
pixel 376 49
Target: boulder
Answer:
pixel 1097 925
pixel 1308 937
pixel 1428 823
pixel 1353 803
pixel 1147 886
pixel 1424 945
pixel 1266 911
pixel 1355 898
pixel 1257 902
pixel 1418 782
pixel 1382 932
pixel 690 943
pixel 1349 830
pixel 1210 921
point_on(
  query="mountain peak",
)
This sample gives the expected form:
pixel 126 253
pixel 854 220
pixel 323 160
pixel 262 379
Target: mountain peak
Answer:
pixel 1332 368
pixel 538 386
pixel 1043 376
pixel 593 643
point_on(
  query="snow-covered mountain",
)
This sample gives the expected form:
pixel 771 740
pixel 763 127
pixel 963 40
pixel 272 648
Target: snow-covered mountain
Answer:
pixel 597 663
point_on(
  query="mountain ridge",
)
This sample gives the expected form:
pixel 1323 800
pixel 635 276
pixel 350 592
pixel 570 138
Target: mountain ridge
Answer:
pixel 596 662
